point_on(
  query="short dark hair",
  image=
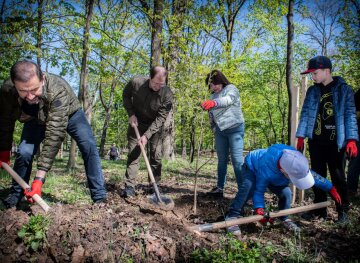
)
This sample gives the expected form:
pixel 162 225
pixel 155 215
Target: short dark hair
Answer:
pixel 24 70
pixel 155 70
pixel 216 77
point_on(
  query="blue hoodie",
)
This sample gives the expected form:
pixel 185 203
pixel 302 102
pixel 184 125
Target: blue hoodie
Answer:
pixel 263 163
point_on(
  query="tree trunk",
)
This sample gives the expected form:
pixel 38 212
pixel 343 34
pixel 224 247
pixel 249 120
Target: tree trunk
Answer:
pixel 168 137
pixel 183 136
pixel 107 108
pixel 156 30
pixel 175 29
pixel 83 91
pixel 192 139
pixel 289 59
pixel 232 9
pixel 39 34
pixel 71 165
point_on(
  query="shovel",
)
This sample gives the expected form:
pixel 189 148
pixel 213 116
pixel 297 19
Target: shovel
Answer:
pixel 249 219
pixel 162 201
pixel 24 185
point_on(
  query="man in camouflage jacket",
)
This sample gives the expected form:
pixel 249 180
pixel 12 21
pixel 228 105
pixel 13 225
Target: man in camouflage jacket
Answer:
pixel 49 108
pixel 148 102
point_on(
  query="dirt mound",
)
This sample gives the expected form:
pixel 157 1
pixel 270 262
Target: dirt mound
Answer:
pixel 114 231
pixel 134 230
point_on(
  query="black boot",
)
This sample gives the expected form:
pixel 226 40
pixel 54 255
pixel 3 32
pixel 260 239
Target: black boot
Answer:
pixel 129 191
pixel 12 200
pixel 343 217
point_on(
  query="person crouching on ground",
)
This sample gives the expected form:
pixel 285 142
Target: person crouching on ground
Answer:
pixel 275 168
pixel 49 109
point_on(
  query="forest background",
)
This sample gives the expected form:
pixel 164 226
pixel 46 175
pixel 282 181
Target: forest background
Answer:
pixel 260 45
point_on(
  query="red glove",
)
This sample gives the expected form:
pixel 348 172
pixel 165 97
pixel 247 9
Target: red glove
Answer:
pixel 260 211
pixel 35 189
pixel 335 195
pixel 351 149
pixel 4 157
pixel 300 144
pixel 208 104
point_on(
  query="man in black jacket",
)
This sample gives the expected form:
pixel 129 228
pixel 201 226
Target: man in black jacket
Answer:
pixel 148 102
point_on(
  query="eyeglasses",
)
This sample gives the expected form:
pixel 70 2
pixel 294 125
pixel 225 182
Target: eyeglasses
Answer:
pixel 158 84
pixel 32 91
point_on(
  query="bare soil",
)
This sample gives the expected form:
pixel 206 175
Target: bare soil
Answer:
pixel 122 230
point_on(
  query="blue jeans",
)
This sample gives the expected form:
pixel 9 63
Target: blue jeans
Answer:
pixel 79 129
pixel 354 172
pixel 229 140
pixel 246 188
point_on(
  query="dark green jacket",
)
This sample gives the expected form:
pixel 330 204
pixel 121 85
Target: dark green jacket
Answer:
pixel 56 104
pixel 150 107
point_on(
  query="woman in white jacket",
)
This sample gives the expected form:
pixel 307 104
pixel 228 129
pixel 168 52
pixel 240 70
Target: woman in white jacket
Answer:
pixel 227 122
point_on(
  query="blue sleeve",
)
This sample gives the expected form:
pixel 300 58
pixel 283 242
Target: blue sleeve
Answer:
pixel 301 130
pixel 351 128
pixel 259 192
pixel 321 182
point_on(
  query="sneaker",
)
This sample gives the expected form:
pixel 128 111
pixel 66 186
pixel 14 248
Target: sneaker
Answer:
pixel 235 229
pixel 12 200
pixel 291 226
pixel 101 201
pixel 129 191
pixel 216 191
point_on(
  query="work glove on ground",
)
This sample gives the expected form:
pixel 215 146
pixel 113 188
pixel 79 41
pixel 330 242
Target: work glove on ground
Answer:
pixel 351 149
pixel 300 144
pixel 335 195
pixel 208 104
pixel 4 157
pixel 266 219
pixel 35 189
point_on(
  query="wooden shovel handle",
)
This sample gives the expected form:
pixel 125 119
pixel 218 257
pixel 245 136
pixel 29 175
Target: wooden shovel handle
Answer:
pixel 151 175
pixel 24 185
pixel 249 219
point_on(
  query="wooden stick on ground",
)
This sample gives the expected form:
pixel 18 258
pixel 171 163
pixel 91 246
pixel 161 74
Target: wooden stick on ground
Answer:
pixel 250 219
pixel 24 185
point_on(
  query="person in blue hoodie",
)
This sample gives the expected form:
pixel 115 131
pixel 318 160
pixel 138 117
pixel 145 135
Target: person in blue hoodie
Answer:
pixel 275 168
pixel 328 119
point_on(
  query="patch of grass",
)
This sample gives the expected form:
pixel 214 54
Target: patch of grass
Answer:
pixel 295 250
pixel 232 250
pixel 66 188
pixel 34 233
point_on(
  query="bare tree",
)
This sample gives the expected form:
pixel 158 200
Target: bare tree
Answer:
pixel 83 92
pixel 324 16
pixel 289 60
pixel 39 34
pixel 156 22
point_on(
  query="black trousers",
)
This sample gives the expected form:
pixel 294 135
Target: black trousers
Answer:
pixel 328 156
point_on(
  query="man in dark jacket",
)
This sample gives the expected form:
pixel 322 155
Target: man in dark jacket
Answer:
pixel 328 119
pixel 148 102
pixel 49 108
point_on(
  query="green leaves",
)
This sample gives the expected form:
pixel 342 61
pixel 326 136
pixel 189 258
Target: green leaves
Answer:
pixel 232 250
pixel 34 233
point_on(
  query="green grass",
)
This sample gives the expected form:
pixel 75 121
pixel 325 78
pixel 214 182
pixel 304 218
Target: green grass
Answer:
pixel 232 250
pixel 33 233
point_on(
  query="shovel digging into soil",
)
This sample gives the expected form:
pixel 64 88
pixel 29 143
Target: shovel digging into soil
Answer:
pixel 24 185
pixel 161 201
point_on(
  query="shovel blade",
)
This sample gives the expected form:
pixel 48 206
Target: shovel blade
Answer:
pixel 165 203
